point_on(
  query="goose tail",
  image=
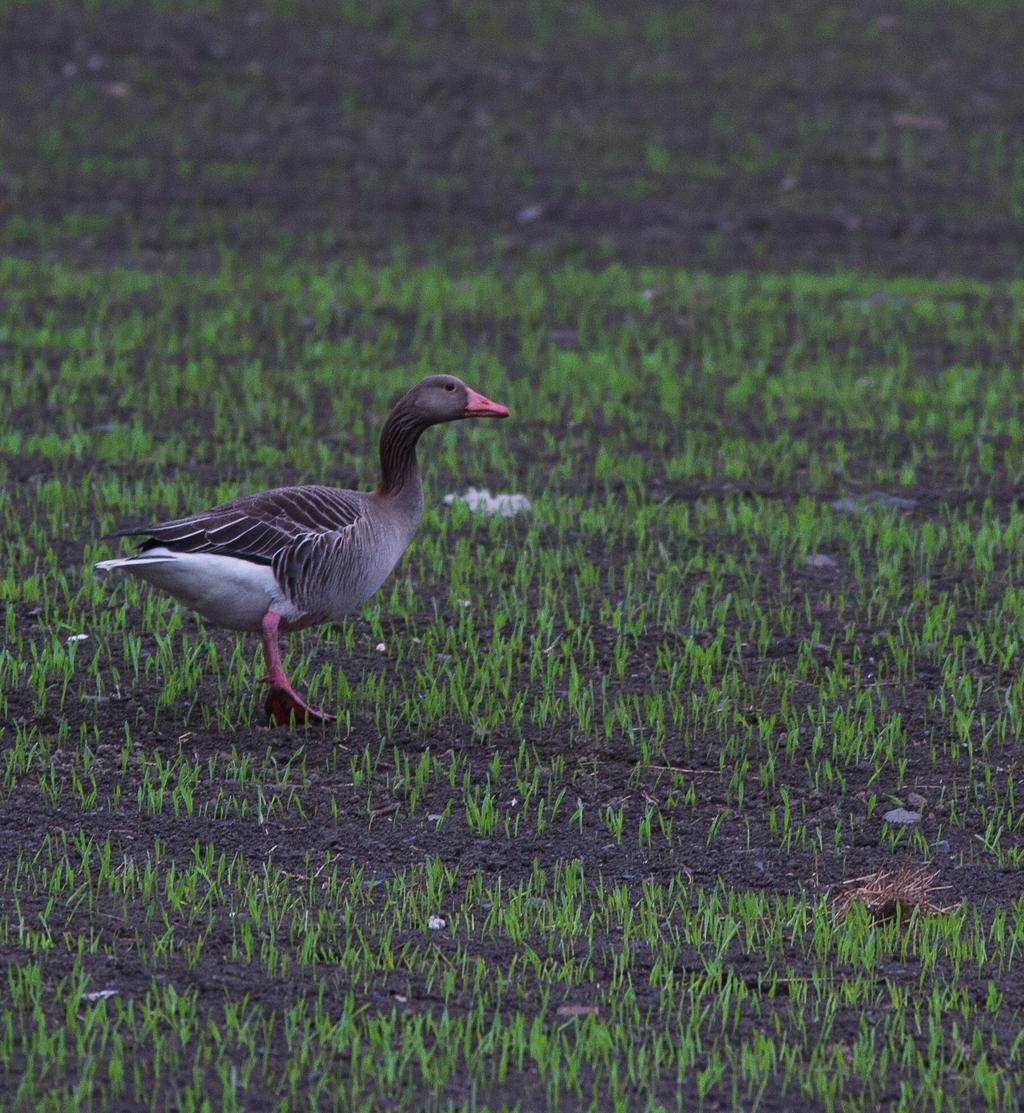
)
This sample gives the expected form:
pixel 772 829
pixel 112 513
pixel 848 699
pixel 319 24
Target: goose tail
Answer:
pixel 131 562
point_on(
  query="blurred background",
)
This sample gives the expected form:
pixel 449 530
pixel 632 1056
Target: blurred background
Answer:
pixel 808 134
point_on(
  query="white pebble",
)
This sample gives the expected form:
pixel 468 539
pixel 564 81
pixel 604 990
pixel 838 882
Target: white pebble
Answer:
pixel 487 504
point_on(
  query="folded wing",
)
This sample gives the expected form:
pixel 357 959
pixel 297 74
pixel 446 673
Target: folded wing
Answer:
pixel 265 529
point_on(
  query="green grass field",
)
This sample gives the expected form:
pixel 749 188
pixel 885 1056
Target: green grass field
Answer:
pixel 605 772
pixel 625 748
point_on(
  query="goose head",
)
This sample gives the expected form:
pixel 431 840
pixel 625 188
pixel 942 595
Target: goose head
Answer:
pixel 440 398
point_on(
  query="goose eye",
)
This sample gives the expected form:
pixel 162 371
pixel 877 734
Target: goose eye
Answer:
pixel 449 386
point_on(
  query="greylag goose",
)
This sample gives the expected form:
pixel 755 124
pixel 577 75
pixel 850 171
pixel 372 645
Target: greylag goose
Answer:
pixel 295 557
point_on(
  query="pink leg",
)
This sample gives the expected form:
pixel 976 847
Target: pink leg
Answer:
pixel 283 703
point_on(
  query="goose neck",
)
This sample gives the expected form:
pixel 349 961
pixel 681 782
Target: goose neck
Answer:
pixel 398 466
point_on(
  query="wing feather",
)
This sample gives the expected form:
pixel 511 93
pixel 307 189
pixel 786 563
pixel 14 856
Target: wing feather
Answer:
pixel 273 527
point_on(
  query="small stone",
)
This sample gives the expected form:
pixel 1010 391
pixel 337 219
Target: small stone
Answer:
pixel 529 213
pixel 567 338
pixel 436 923
pixel 916 801
pixel 849 505
pixel 901 817
pixel 919 122
pixel 821 560
pixel 485 503
pixel 100 994
pixel 897 502
pixel 940 846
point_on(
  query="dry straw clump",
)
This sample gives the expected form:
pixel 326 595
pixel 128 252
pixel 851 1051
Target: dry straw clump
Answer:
pixel 883 894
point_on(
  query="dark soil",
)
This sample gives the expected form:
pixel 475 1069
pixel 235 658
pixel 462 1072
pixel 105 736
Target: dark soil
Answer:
pixel 833 136
pixel 814 135
pixel 372 831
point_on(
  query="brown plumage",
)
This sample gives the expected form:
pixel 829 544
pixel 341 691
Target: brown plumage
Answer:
pixel 294 557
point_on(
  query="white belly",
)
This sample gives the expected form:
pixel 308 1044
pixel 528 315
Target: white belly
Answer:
pixel 225 590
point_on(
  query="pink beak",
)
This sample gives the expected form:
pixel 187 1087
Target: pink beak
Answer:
pixel 479 406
